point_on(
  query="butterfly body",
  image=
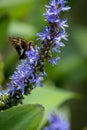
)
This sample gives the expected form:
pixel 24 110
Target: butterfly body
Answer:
pixel 21 45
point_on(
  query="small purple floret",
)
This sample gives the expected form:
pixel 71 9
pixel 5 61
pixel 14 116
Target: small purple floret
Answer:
pixel 56 122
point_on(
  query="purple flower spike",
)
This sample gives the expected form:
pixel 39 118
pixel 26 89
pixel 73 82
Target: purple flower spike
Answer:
pixel 52 35
pixel 56 122
pixel 31 71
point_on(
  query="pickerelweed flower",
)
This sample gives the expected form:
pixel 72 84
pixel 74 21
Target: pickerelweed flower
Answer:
pixel 31 71
pixel 27 76
pixel 56 122
pixel 52 35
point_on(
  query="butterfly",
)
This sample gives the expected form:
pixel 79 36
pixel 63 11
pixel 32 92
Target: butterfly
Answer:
pixel 21 45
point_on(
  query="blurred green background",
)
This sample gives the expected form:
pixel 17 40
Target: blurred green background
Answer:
pixel 23 18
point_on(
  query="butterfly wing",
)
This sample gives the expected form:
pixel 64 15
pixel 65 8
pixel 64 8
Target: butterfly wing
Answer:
pixel 16 42
pixel 21 46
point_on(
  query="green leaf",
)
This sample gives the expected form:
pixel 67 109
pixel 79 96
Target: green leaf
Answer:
pixel 25 117
pixel 50 98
